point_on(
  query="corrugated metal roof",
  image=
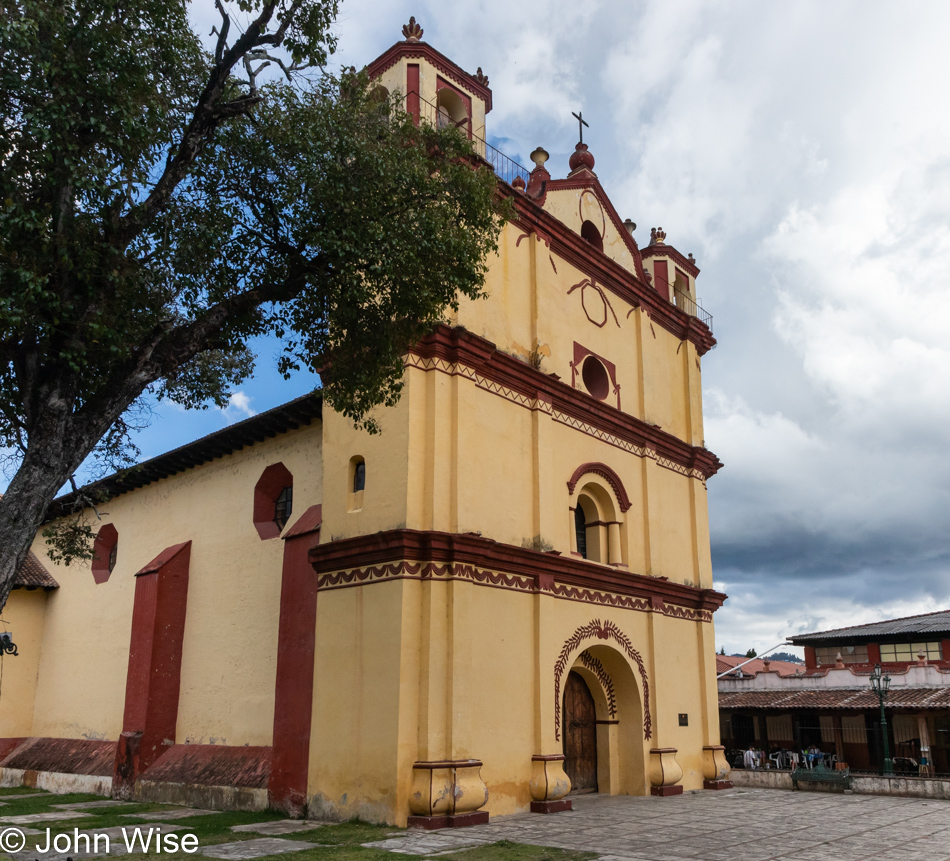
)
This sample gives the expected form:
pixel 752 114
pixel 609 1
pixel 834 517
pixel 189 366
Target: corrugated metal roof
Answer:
pixel 928 623
pixel 32 573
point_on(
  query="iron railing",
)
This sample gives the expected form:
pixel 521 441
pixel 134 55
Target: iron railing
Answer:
pixel 687 303
pixel 505 167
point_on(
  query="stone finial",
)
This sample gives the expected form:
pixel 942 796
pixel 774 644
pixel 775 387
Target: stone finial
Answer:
pixel 922 658
pixel 839 662
pixel 690 258
pixel 581 157
pixel 538 181
pixel 539 157
pixel 657 236
pixel 766 663
pixel 630 225
pixel 481 77
pixel 412 31
pixel 518 183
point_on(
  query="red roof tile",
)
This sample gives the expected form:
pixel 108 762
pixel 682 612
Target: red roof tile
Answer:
pixel 900 698
pixel 33 574
pixel 757 665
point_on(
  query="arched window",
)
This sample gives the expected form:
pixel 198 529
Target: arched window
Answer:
pixel 598 501
pixel 357 483
pixel 592 235
pixel 580 531
pixel 452 110
pixel 283 506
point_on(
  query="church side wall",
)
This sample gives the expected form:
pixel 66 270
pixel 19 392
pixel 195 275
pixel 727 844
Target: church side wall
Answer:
pixel 231 622
pixel 24 615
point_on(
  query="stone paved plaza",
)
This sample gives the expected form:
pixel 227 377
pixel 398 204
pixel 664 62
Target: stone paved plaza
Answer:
pixel 734 825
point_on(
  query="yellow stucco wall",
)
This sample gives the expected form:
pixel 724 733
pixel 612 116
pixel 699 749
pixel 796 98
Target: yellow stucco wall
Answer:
pixel 413 671
pixel 24 617
pixel 230 640
pixel 575 206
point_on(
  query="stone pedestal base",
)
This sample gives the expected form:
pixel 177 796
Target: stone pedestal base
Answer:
pixel 717 784
pixel 552 806
pixel 457 820
pixel 664 791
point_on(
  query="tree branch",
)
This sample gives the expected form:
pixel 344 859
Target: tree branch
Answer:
pixel 207 115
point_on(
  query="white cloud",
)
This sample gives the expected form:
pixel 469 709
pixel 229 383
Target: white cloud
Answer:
pixel 239 407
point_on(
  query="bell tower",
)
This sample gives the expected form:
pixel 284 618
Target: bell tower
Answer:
pixel 435 89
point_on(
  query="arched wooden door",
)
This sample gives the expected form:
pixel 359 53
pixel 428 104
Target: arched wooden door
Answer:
pixel 580 735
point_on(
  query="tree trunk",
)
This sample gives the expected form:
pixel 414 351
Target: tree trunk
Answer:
pixel 55 452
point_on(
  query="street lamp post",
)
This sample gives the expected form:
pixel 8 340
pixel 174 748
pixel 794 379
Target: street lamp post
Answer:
pixel 880 684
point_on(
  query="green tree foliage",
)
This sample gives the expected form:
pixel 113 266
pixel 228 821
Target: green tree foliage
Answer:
pixel 751 653
pixel 159 205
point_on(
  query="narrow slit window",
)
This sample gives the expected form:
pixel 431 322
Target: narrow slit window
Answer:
pixel 283 507
pixel 359 477
pixel 113 555
pixel 580 528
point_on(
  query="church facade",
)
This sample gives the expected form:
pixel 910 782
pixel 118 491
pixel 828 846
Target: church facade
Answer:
pixel 504 598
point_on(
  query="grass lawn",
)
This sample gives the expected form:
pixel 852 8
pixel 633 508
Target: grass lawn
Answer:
pixel 342 842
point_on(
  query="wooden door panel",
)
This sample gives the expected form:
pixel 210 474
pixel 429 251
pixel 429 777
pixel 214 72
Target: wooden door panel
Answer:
pixel 580 735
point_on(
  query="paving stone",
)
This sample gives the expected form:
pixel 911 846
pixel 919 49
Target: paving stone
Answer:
pixel 53 816
pixel 174 813
pixel 432 843
pixel 734 825
pixel 281 826
pixel 256 848
pixel 92 805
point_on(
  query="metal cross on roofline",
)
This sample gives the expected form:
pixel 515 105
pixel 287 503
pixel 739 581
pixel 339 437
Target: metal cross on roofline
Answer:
pixel 581 122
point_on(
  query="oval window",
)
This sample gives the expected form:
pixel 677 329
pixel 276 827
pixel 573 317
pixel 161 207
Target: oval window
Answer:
pixel 595 378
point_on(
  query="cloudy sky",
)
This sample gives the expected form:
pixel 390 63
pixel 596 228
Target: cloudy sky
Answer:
pixel 801 151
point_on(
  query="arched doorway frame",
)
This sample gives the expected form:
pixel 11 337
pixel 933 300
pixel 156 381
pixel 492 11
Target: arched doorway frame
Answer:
pixel 615 674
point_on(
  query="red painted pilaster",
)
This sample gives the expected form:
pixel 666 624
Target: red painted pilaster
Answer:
pixel 810 660
pixel 296 641
pixel 154 676
pixel 412 91
pixel 945 649
pixel 874 653
pixel 661 278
